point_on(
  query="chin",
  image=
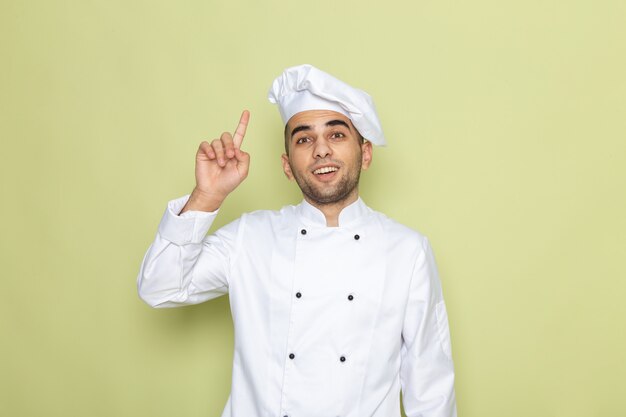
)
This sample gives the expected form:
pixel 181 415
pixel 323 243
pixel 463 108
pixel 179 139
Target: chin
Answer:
pixel 328 198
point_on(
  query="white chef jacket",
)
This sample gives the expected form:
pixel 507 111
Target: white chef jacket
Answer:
pixel 328 321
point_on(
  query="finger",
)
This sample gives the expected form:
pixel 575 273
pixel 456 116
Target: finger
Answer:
pixel 227 142
pixel 242 156
pixel 205 149
pixel 219 152
pixel 240 132
pixel 243 162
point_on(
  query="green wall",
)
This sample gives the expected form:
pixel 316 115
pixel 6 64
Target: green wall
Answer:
pixel 506 124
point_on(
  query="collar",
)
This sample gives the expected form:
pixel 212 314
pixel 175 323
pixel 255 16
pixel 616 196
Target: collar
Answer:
pixel 349 214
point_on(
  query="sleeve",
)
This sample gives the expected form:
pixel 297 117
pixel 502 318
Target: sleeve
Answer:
pixel 184 266
pixel 427 371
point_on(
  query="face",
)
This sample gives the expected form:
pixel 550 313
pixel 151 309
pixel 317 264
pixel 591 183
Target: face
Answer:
pixel 325 156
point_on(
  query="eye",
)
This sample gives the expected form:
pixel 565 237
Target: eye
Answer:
pixel 337 135
pixel 302 139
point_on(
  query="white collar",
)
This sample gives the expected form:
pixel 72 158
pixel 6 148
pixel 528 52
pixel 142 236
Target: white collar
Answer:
pixel 314 216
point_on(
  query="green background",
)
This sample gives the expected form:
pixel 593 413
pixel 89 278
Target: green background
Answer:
pixel 506 124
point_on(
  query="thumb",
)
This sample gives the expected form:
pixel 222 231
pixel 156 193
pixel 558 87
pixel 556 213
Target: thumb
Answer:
pixel 243 160
pixel 241 156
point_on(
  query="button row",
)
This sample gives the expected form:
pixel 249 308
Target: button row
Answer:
pixel 303 232
pixel 350 296
pixel 342 358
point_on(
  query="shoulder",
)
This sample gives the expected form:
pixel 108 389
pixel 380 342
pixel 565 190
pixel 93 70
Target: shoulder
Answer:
pixel 264 216
pixel 255 227
pixel 267 221
pixel 397 233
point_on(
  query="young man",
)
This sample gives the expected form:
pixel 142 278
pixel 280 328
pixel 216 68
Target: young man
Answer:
pixel 336 307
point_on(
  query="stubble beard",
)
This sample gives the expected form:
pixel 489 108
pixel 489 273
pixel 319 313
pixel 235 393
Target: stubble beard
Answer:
pixel 330 194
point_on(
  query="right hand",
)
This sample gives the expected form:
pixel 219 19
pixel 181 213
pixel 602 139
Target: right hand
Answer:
pixel 220 167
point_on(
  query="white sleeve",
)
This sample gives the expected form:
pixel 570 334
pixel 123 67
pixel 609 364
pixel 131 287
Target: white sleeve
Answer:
pixel 184 266
pixel 427 371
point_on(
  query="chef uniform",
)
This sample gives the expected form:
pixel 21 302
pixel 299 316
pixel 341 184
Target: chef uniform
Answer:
pixel 329 321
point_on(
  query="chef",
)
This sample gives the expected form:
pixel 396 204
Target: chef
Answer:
pixel 336 307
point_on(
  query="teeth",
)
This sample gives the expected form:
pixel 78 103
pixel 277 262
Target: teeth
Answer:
pixel 325 170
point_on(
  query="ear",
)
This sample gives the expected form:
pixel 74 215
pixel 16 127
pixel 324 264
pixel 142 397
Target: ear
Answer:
pixel 286 167
pixel 366 154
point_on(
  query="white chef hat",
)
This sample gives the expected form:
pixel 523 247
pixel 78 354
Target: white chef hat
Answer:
pixel 305 87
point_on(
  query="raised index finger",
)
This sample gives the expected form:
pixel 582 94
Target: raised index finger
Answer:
pixel 240 132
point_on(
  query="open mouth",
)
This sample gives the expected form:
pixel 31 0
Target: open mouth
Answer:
pixel 325 173
pixel 325 170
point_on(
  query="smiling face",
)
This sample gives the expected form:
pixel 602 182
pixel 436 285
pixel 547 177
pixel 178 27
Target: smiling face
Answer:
pixel 326 155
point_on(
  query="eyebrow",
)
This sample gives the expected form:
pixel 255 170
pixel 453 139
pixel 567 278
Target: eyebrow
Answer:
pixel 300 129
pixel 335 122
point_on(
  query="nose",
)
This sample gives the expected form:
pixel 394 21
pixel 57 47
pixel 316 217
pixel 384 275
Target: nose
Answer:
pixel 322 149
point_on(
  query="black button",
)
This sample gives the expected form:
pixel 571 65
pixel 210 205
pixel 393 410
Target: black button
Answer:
pixel 298 295
pixel 291 356
pixel 303 231
pixel 342 359
pixel 357 237
pixel 350 297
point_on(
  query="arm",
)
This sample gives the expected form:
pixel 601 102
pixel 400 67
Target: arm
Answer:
pixel 182 266
pixel 427 371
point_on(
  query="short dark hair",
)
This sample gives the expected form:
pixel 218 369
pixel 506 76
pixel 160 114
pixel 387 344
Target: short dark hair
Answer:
pixel 286 135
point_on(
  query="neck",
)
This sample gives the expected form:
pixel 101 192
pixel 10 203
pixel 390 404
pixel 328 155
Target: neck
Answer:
pixel 331 210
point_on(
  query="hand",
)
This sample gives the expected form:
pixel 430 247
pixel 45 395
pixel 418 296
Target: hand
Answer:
pixel 220 167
